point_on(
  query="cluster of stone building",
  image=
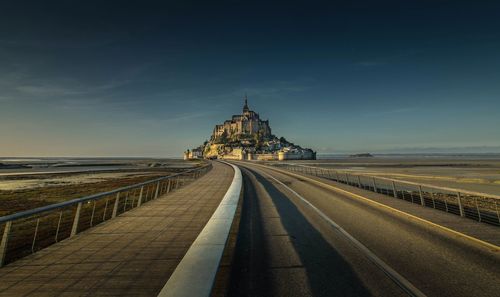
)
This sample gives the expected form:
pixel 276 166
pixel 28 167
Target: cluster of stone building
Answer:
pixel 247 137
pixel 245 154
pixel 247 123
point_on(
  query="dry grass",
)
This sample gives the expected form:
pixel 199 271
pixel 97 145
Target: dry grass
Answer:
pixel 23 199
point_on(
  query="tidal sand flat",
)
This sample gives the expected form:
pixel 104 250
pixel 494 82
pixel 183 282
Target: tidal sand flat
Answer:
pixel 28 188
pixel 477 173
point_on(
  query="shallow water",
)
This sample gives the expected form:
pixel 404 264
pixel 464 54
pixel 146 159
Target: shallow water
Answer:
pixel 70 179
pixel 69 171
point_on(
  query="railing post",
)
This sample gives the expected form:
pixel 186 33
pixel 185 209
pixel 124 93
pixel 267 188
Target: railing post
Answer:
pixel 477 208
pixel 461 208
pixel 105 209
pixel 125 203
pixel 34 236
pixel 374 185
pixel 168 185
pixel 115 207
pixel 140 197
pixel 337 174
pixel 74 229
pixel 359 181
pixel 92 216
pixel 394 189
pixel 157 189
pixel 58 224
pixel 347 178
pixel 433 200
pixel 4 243
pixel 422 201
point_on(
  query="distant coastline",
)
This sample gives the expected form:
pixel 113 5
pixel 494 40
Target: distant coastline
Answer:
pixel 37 165
pixel 480 156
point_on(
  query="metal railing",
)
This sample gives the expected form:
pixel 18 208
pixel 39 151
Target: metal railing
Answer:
pixel 26 232
pixel 473 205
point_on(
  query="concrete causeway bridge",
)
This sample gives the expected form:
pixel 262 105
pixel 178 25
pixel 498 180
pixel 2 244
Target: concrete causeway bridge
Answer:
pixel 256 229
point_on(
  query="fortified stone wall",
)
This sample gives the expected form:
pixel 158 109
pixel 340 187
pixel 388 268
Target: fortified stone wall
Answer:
pixel 266 157
pixel 306 155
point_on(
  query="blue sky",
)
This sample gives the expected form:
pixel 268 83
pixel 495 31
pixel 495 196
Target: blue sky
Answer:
pixel 152 78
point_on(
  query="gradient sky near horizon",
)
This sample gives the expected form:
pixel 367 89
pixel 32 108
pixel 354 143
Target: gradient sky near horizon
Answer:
pixel 152 78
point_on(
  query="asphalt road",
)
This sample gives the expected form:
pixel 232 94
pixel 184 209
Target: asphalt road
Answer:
pixel 285 247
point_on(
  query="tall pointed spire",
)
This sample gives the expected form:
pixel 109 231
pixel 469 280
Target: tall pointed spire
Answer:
pixel 245 107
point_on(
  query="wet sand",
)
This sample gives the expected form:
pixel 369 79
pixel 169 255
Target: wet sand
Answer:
pixel 17 182
pixel 473 174
pixel 28 188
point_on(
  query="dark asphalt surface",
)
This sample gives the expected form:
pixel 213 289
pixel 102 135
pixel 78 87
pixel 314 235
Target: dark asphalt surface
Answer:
pixel 285 248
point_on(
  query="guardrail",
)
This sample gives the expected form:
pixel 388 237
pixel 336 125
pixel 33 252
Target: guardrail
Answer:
pixel 26 232
pixel 473 205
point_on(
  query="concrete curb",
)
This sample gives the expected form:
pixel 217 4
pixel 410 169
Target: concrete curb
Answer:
pixel 195 274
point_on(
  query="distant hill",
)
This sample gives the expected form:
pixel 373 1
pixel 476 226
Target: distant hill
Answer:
pixel 364 155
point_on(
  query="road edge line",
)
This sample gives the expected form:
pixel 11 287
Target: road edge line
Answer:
pixel 195 275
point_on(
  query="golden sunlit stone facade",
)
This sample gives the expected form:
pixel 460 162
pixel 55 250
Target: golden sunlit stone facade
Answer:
pixel 246 137
pixel 246 124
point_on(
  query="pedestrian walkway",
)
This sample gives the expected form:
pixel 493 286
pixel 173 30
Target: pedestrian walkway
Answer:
pixel 131 255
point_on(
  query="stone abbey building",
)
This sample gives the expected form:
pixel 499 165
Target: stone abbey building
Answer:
pixel 246 124
pixel 247 137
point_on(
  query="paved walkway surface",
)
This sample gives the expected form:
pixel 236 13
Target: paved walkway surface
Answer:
pixel 481 231
pixel 131 255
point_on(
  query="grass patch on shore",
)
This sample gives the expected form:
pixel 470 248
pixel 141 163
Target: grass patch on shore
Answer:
pixel 12 201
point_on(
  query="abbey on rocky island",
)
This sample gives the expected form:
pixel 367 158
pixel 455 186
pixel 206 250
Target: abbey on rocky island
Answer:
pixel 241 126
pixel 247 137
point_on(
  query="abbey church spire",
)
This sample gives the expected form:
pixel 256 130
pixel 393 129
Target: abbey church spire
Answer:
pixel 245 107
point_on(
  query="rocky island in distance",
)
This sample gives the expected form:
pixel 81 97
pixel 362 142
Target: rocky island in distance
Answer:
pixel 247 137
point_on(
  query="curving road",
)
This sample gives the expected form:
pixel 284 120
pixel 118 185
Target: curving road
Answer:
pixel 299 239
